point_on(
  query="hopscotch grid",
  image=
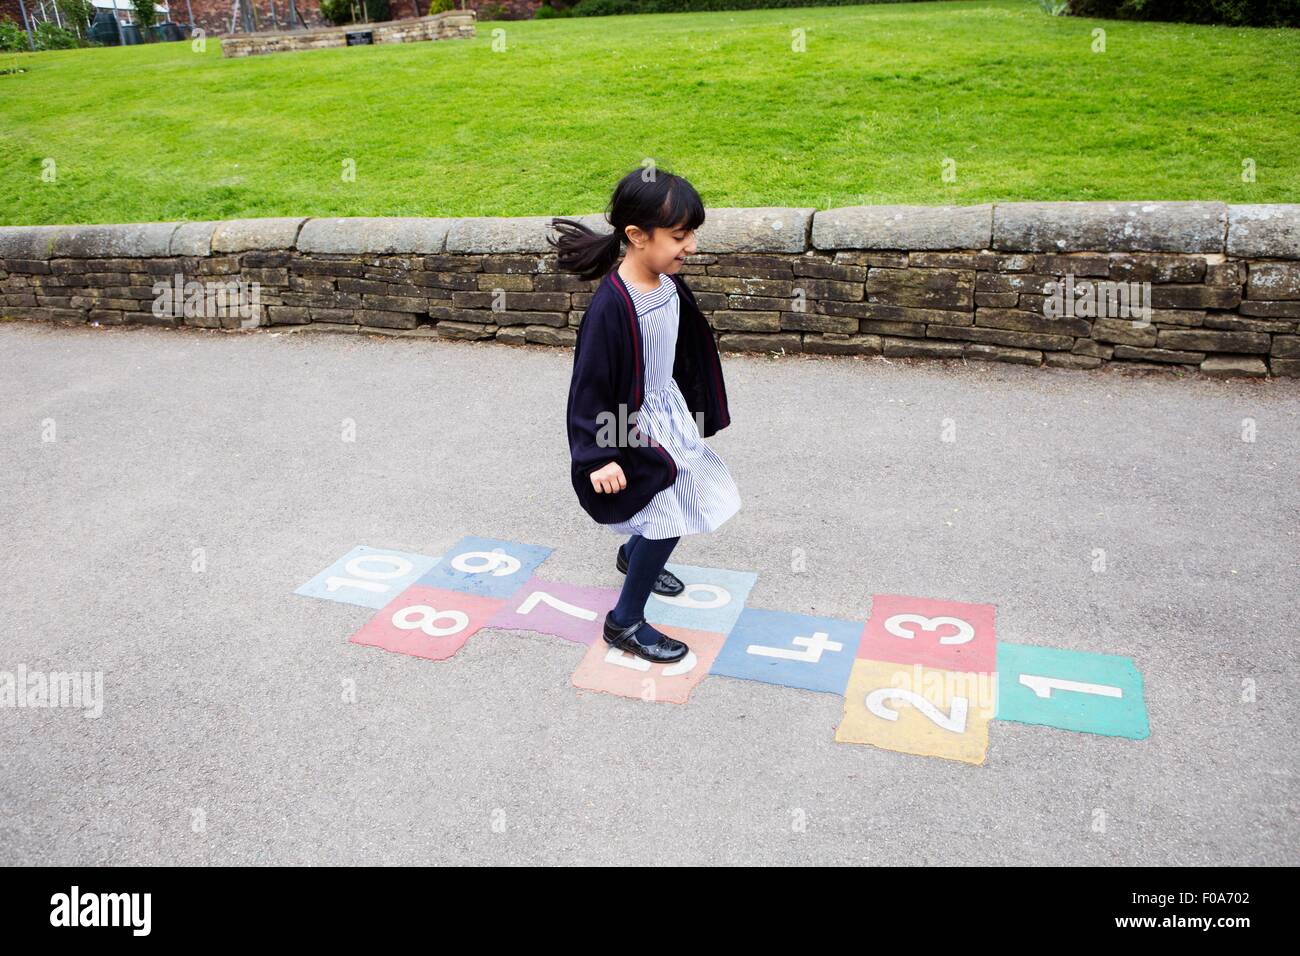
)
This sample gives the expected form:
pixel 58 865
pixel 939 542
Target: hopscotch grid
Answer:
pixel 959 683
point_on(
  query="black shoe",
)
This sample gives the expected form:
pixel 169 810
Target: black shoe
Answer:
pixel 624 638
pixel 667 583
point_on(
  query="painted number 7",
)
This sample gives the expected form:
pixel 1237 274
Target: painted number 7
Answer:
pixel 538 597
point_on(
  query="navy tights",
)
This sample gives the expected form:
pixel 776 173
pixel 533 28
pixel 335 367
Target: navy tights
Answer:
pixel 646 557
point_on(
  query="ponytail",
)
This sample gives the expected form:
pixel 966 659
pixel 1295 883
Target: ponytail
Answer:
pixel 585 251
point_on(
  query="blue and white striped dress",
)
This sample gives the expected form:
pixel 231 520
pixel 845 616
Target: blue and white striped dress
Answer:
pixel 704 494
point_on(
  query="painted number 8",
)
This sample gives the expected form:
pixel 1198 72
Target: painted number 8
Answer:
pixel 421 617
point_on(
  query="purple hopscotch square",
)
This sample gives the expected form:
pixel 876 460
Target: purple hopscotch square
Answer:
pixel 571 611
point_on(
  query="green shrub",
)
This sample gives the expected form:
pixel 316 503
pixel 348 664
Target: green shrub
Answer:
pixel 342 12
pixel 13 38
pixel 145 17
pixel 336 12
pixel 440 6
pixel 604 8
pixel 1236 13
pixel 609 8
pixel 78 12
pixel 51 36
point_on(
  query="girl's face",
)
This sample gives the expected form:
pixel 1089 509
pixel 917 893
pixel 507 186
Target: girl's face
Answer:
pixel 665 251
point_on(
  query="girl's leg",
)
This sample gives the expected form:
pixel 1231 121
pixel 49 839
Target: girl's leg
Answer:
pixel 630 546
pixel 643 567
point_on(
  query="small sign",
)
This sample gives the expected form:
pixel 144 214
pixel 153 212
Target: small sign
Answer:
pixel 361 38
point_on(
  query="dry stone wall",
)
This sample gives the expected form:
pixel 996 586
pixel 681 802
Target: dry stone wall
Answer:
pixel 1201 286
pixel 450 25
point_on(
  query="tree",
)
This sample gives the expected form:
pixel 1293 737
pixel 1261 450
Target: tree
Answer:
pixel 79 13
pixel 146 16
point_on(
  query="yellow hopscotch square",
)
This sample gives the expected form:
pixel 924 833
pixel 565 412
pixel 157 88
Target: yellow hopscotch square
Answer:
pixel 937 713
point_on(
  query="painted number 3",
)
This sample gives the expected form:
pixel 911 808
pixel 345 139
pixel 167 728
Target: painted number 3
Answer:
pixel 896 626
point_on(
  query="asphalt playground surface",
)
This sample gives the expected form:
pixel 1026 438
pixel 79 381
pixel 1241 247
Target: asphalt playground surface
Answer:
pixel 225 737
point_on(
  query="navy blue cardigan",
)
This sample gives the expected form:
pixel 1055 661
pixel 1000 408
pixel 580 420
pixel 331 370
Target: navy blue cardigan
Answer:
pixel 609 370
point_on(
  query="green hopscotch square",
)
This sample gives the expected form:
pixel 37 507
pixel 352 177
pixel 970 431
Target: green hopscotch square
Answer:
pixel 1107 698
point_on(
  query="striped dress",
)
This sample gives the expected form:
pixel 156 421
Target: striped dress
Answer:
pixel 704 494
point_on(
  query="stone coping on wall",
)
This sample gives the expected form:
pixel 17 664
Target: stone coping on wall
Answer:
pixel 1247 231
pixel 937 281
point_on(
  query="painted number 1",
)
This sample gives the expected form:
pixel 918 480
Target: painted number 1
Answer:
pixel 1043 686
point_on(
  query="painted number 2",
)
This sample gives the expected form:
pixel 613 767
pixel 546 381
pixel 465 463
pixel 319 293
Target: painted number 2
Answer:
pixel 954 721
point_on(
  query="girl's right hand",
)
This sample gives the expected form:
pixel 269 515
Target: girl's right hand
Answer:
pixel 608 478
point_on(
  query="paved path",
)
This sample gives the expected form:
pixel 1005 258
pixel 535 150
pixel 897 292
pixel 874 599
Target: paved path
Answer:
pixel 222 689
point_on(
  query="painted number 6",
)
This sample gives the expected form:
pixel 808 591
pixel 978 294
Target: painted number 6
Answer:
pixel 719 596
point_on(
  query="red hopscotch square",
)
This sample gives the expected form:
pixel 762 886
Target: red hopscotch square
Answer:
pixel 613 671
pixel 427 622
pixel 949 635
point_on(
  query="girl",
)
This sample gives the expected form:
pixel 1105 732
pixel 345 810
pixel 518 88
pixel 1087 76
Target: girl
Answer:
pixel 646 389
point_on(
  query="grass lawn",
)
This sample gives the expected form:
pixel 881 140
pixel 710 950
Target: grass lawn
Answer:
pixel 881 97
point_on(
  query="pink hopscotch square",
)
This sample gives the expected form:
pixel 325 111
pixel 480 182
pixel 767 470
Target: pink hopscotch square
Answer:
pixel 612 671
pixel 949 635
pixel 427 622
pixel 570 611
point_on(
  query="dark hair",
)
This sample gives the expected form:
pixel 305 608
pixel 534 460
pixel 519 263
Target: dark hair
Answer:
pixel 660 201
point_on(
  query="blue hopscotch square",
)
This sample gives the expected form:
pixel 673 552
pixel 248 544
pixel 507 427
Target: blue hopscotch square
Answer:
pixel 1071 690
pixel 485 566
pixel 794 650
pixel 370 577
pixel 712 601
